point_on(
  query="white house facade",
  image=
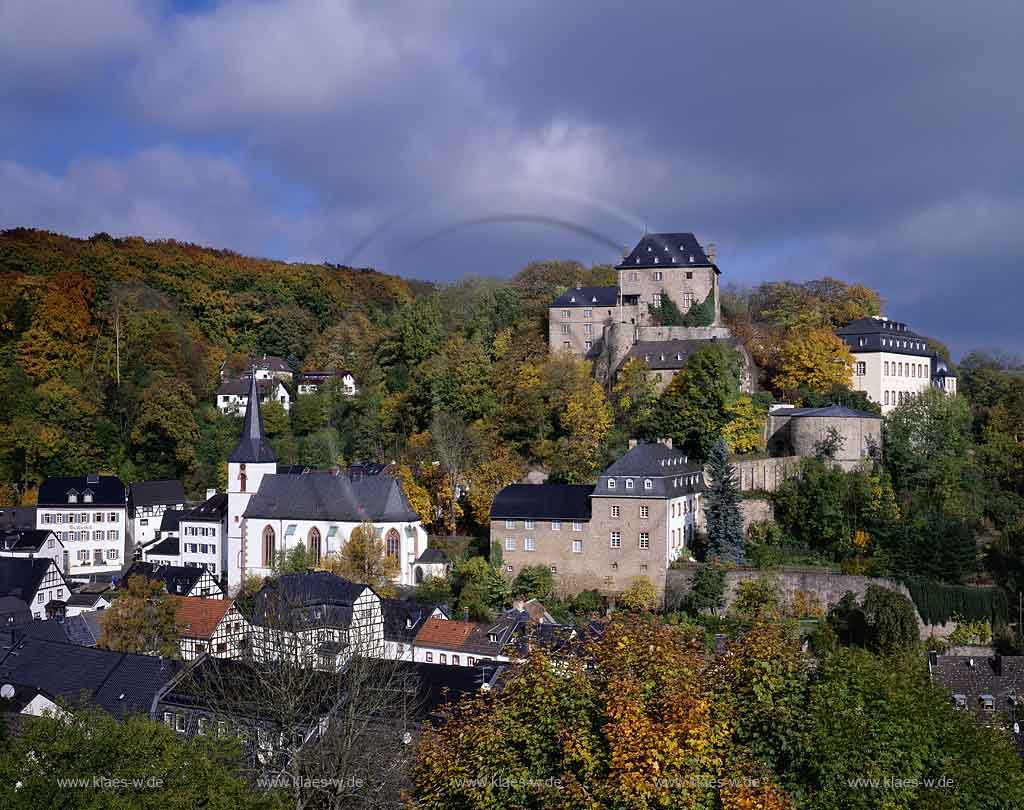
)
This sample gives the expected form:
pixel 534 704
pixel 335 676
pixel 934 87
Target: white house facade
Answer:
pixel 34 543
pixel 147 502
pixel 233 396
pixel 202 534
pixel 892 364
pixel 89 515
pixel 37 582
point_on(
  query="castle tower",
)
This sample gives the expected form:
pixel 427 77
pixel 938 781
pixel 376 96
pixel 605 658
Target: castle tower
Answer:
pixel 252 459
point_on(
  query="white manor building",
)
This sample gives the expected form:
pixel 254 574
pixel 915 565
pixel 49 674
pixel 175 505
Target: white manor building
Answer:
pixel 892 364
pixel 90 516
pixel 269 513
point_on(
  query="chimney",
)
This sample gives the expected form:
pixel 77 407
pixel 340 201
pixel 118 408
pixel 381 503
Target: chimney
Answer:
pixel 711 252
pixel 632 443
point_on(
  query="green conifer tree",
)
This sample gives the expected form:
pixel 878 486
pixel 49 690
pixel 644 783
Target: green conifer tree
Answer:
pixel 722 508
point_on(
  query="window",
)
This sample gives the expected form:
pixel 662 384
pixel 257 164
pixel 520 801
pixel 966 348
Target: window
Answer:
pixel 41 598
pixel 566 344
pixel 886 368
pixel 565 329
pixel 455 660
pixel 179 722
pixel 113 553
pixel 83 555
pixel 97 518
pixel 529 524
pixel 529 544
pixel 566 314
pixel 72 497
pixel 168 719
pixel 509 569
pixel 657 300
pixel 96 535
pixel 554 569
pixel 648 483
pixel 112 534
pixel 862 368
pixel 510 544
pixel 629 483
pixel 645 511
pixel 269 546
pixel 616 540
pixel 588 345
pixel 556 525
pixel 609 580
pixel 393 543
pixel 645 540
pixel 577 546
pixel 689 274
pixel 443 658
pixel 510 524
pixel 201 725
pixel 611 483
pixel 112 517
pixel 588 313
pixel 886 397
pixel 577 526
pixel 472 661
pixel 658 275
pixel 588 329
pixel 51 543
pixel 615 511
pixel 430 657
pixel 687 301
pixel 87 497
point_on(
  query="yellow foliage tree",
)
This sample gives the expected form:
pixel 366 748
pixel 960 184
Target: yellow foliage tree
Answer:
pixel 485 480
pixel 362 559
pixel 813 360
pixel 744 432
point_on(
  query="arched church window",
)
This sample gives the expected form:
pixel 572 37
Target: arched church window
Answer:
pixel 314 545
pixel 393 543
pixel 269 546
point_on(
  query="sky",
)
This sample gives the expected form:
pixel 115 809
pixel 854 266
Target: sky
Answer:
pixel 876 142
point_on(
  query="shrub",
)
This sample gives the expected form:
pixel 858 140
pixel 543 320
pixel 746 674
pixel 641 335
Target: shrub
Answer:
pixel 640 596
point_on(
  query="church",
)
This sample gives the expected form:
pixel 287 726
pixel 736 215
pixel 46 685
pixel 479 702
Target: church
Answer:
pixel 271 511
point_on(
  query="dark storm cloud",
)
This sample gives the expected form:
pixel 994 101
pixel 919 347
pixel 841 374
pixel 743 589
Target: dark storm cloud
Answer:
pixel 874 141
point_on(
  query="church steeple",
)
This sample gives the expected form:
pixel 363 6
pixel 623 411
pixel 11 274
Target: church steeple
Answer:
pixel 253 446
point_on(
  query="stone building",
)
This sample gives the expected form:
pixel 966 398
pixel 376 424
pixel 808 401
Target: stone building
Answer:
pixel 798 432
pixel 578 317
pixel 642 514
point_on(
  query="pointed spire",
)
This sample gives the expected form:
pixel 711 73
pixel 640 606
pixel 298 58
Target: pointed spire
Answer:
pixel 253 445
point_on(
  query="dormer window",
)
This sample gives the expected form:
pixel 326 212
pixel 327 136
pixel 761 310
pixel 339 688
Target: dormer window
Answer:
pixel 611 483
pixel 988 703
pixel 72 496
pixel 629 483
pixel 87 496
pixel 648 483
pixel 960 701
pixel 492 637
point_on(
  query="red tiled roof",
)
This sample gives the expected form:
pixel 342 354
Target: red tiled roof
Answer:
pixel 443 633
pixel 198 618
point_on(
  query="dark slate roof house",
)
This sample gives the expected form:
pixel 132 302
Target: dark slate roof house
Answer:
pixel 831 411
pixel 121 684
pixel 21 577
pixel 14 611
pixel 97 490
pixel 991 687
pixel 300 601
pixel 651 470
pixel 156 493
pixel 331 496
pixel 253 446
pixel 587 297
pixel 543 502
pixel 882 335
pixel 669 248
pixel 671 355
pixel 24 541
pixel 404 618
pixel 179 580
pixel 211 510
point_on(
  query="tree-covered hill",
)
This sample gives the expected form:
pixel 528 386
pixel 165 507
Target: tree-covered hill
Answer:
pixel 109 345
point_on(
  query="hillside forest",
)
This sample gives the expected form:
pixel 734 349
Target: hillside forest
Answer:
pixel 112 350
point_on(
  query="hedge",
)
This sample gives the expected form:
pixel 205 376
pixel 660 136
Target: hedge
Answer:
pixel 938 602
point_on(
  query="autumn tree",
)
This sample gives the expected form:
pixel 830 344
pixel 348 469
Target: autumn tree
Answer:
pixel 693 409
pixel 362 559
pixel 488 477
pixel 635 396
pixel 62 332
pixel 586 420
pixel 814 359
pixel 744 430
pixel 452 443
pixel 142 619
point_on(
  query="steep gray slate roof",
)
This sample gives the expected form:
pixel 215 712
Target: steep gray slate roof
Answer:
pixel 121 684
pixel 331 497
pixel 20 576
pixel 157 493
pixel 168 547
pixel 672 475
pixel 542 502
pixel 404 618
pixel 170 519
pixel 17 517
pixel 669 248
pixel 177 579
pixel 23 539
pixel 670 354
pixel 310 599
pixel 433 556
pixel 253 445
pixel 588 297
pixel 873 331
pixel 210 510
pixel 107 490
